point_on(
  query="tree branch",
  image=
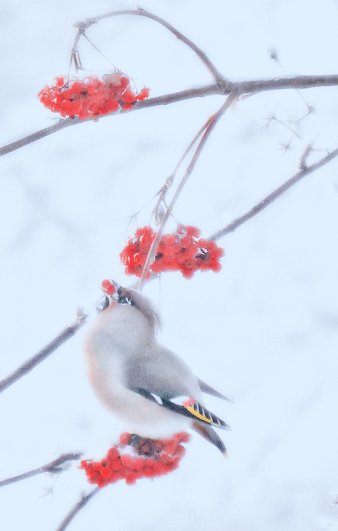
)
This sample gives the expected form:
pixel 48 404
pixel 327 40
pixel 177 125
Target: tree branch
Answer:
pixel 82 26
pixel 151 102
pixel 54 467
pixel 77 508
pixel 231 227
pixel 239 88
pixel 31 363
pixel 42 133
pixel 264 203
pixel 208 128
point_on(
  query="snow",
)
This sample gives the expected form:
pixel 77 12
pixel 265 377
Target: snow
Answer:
pixel 263 330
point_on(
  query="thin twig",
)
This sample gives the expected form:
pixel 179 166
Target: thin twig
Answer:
pixel 54 467
pixel 303 161
pixel 46 351
pixel 231 227
pixel 239 88
pixel 283 124
pixel 77 508
pixel 166 99
pixel 84 25
pixel 74 54
pixel 212 121
pixel 169 181
pixel 98 50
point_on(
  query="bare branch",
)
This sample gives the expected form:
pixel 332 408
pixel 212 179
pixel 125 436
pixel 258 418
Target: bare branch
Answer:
pixel 303 161
pixel 282 83
pixel 29 139
pixel 31 363
pixel 82 26
pixel 54 467
pixel 166 99
pixel 239 88
pixel 161 202
pixel 77 508
pixel 231 227
pixel 208 128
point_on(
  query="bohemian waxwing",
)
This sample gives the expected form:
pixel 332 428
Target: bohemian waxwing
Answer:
pixel 149 387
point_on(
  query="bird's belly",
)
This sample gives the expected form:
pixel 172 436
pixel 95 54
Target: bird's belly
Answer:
pixel 138 414
pixel 149 419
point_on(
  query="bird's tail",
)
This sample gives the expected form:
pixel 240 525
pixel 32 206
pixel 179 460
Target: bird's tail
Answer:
pixel 208 433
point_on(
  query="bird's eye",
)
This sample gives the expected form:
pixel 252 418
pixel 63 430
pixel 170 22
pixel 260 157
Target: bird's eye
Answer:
pixel 126 300
pixel 123 299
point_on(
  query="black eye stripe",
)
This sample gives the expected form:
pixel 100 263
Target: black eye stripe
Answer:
pixel 126 300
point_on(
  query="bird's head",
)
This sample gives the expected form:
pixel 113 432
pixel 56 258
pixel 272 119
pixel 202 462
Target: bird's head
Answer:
pixel 113 292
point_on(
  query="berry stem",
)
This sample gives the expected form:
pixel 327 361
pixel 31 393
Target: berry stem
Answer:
pixel 82 26
pixel 209 126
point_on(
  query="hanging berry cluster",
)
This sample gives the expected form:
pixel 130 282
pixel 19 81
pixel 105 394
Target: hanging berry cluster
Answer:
pixel 181 251
pixel 91 97
pixel 151 458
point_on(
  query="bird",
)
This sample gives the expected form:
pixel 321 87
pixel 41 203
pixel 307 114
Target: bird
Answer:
pixel 150 388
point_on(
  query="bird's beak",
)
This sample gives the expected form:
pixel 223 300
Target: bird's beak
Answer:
pixel 102 304
pixel 111 290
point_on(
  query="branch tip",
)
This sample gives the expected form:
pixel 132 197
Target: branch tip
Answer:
pixel 54 467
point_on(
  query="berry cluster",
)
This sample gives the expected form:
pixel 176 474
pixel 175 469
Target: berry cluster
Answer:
pixel 151 458
pixel 181 251
pixel 91 97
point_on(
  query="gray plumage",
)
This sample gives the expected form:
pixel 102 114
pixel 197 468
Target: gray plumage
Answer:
pixel 127 367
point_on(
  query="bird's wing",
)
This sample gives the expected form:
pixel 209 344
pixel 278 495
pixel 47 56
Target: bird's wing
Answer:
pixel 194 410
pixel 185 406
pixel 164 378
pixel 206 388
pixel 161 372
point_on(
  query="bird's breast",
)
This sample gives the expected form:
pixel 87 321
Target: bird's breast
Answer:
pixel 104 359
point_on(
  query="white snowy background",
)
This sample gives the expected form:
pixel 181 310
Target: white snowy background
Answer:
pixel 264 330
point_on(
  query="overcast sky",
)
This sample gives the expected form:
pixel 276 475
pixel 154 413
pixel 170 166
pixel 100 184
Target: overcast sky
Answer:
pixel 264 330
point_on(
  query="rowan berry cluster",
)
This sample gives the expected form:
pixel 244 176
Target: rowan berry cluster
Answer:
pixel 151 458
pixel 181 251
pixel 91 97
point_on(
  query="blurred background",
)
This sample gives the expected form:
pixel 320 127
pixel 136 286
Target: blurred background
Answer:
pixel 264 330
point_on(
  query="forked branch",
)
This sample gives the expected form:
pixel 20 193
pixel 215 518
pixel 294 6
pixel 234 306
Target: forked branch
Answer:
pixel 206 130
pixel 239 88
pixel 270 198
pixel 54 467
pixel 231 227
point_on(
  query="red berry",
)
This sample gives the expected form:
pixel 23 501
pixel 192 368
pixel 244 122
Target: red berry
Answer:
pixel 180 251
pixel 108 287
pixel 90 97
pixel 165 458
